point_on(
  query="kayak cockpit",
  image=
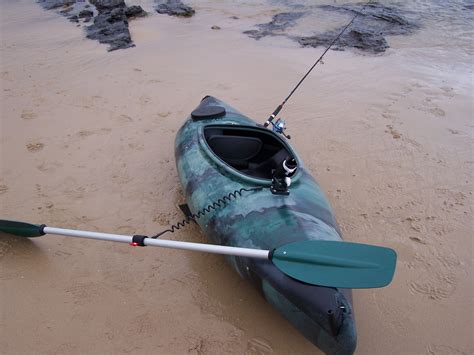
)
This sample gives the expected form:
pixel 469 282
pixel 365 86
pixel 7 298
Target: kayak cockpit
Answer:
pixel 253 151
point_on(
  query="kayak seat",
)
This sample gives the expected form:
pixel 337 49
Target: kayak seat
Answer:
pixel 252 152
pixel 235 150
pixel 269 164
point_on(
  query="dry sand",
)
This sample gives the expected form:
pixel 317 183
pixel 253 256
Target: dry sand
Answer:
pixel 87 142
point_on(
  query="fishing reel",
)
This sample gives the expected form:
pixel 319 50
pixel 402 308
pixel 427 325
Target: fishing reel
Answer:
pixel 281 176
pixel 280 127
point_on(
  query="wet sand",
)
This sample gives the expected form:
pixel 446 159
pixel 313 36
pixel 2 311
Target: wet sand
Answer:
pixel 87 142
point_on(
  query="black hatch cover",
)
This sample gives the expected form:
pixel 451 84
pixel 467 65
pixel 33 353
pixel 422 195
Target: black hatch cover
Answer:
pixel 208 112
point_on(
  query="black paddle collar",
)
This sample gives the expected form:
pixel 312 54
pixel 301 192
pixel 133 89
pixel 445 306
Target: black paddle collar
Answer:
pixel 138 241
pixel 41 229
pixel 270 254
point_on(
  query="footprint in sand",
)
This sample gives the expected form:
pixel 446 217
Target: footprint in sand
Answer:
pixel 136 146
pixel 395 134
pixel 434 349
pixel 164 114
pixel 434 275
pixel 34 147
pixel 124 118
pixel 447 91
pixel 222 87
pixel 84 133
pixel 28 115
pixel 49 166
pixel 258 346
pixel 82 292
pixel 3 189
pixel 417 240
pixel 162 219
pixel 438 112
pixel 144 99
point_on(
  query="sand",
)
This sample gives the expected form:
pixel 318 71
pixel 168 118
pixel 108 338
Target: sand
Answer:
pixel 87 142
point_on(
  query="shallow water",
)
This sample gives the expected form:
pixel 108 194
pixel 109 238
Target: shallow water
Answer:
pixel 444 41
pixel 450 19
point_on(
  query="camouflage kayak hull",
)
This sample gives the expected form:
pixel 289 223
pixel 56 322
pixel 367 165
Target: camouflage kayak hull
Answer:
pixel 219 151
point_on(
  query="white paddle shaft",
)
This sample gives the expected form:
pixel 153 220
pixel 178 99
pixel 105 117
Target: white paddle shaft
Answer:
pixel 209 248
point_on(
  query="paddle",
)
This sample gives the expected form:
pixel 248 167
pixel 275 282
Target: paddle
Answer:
pixel 317 262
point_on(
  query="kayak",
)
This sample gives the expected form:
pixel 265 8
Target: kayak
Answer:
pixel 247 187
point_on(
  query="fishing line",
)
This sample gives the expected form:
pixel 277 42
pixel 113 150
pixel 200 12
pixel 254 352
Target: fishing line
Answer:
pixel 278 109
pixel 219 203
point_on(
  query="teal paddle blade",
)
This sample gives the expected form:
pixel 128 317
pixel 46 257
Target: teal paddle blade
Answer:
pixel 21 229
pixel 336 264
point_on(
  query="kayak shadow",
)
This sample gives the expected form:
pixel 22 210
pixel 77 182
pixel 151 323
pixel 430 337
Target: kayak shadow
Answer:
pixel 223 293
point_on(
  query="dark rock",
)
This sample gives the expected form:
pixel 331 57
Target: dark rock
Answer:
pixel 365 40
pixel 377 17
pixel 73 18
pixel 116 15
pixel 215 27
pixel 135 11
pixel 54 4
pixel 234 17
pixel 107 5
pixel 174 8
pixel 276 27
pixel 111 27
pixel 367 32
pixel 85 14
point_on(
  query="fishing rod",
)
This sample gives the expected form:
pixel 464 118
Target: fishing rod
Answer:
pixel 281 128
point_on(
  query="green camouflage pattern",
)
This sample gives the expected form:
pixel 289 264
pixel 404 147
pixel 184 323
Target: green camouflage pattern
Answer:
pixel 259 219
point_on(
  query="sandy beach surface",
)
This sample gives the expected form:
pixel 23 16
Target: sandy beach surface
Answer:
pixel 87 142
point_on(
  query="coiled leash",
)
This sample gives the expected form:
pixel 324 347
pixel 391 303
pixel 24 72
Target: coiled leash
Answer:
pixel 219 203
